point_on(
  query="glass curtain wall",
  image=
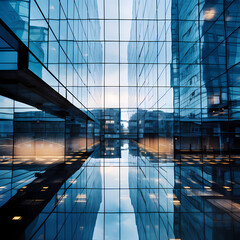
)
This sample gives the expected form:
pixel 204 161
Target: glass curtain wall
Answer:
pixel 149 75
pixel 204 70
pixel 112 110
pixel 56 34
pixel 31 141
pixel 163 74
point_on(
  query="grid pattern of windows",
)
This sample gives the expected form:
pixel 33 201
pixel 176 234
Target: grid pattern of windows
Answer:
pixel 204 68
pixel 183 62
pixel 161 80
pixel 57 33
pixel 133 195
pixel 30 142
pixel 149 75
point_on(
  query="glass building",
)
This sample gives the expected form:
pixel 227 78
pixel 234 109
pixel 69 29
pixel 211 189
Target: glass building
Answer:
pixel 203 76
pixel 119 119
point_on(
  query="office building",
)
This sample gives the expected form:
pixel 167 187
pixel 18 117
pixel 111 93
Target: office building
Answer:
pixel 119 119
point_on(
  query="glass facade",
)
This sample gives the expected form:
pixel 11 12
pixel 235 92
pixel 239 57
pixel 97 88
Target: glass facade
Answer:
pixel 56 34
pixel 205 63
pixel 149 75
pixel 119 119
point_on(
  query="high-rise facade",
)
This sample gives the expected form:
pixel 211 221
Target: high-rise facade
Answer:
pixel 150 58
pixel 56 35
pixel 204 68
pixel 45 75
pixel 119 119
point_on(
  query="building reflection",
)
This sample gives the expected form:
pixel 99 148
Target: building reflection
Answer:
pixel 72 213
pixel 205 106
pixel 37 135
pixel 18 21
pixel 33 141
pixel 207 187
pixel 182 197
pixel 155 130
pixel 189 196
pixel 109 149
pixel 109 123
pixel 183 87
pixel 151 202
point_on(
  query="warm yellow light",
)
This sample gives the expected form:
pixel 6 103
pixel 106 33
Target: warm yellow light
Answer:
pixel 16 218
pixel 80 201
pixel 81 196
pixel 211 181
pixel 194 182
pixel 209 14
pixel 176 202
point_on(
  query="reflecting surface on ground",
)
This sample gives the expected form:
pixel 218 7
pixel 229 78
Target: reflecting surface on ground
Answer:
pixel 124 192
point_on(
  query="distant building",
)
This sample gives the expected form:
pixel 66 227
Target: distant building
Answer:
pixel 204 100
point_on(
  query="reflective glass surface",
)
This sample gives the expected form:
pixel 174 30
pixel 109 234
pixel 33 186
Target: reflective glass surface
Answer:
pixel 124 192
pixel 158 81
